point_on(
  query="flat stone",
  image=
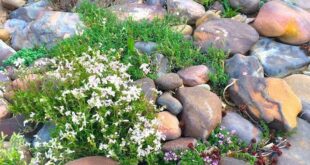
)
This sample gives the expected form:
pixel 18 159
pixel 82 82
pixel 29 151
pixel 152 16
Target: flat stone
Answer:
pixel 269 99
pixel 93 160
pixel 180 144
pixel 138 12
pixel 245 130
pixel 168 125
pixel 229 35
pixel 148 88
pixel 298 153
pixel 172 104
pixel 194 75
pixel 240 65
pixel 187 9
pixel 279 59
pixel 169 81
pixel 291 26
pixel 5 52
pixel 202 111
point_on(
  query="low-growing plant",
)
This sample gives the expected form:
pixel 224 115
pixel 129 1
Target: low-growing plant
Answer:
pixel 104 27
pixel 25 57
pixel 11 152
pixel 218 76
pixel 228 10
pixel 96 109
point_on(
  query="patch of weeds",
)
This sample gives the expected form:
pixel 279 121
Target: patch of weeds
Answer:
pixel 208 3
pixel 12 153
pixel 218 77
pixel 25 56
pixel 228 10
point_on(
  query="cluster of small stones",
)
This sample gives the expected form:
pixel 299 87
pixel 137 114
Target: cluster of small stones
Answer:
pixel 268 66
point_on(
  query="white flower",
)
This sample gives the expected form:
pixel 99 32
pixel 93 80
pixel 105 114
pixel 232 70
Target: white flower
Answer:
pixel 145 68
pixel 19 62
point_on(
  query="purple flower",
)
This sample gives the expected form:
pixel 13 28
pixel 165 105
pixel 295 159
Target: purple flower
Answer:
pixel 221 136
pixel 215 162
pixel 170 156
pixel 207 159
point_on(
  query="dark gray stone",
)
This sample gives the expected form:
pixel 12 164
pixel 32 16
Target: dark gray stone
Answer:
pixel 44 135
pixel 172 104
pixel 279 59
pixel 245 130
pixel 240 65
pixel 161 63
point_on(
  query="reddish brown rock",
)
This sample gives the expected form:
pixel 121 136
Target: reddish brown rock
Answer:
pixel 270 99
pixel 12 125
pixel 93 160
pixel 169 125
pixel 179 144
pixel 194 75
pixel 202 111
pixel 4 111
pixel 229 35
pixel 26 82
pixel 288 22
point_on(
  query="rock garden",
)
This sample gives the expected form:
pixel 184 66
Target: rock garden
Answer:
pixel 146 82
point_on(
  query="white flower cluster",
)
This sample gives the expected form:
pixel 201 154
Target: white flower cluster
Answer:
pixel 103 93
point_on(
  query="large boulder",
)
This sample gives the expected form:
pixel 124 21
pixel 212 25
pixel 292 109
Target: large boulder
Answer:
pixel 49 28
pixel 245 6
pixel 30 12
pixel 227 34
pixel 14 25
pixel 299 151
pixel 202 111
pixel 269 99
pixel 240 65
pixel 279 59
pixel 168 125
pixel 245 130
pixel 187 9
pixel 138 12
pixel 291 26
pixel 5 52
pixel 300 84
pixel 93 160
